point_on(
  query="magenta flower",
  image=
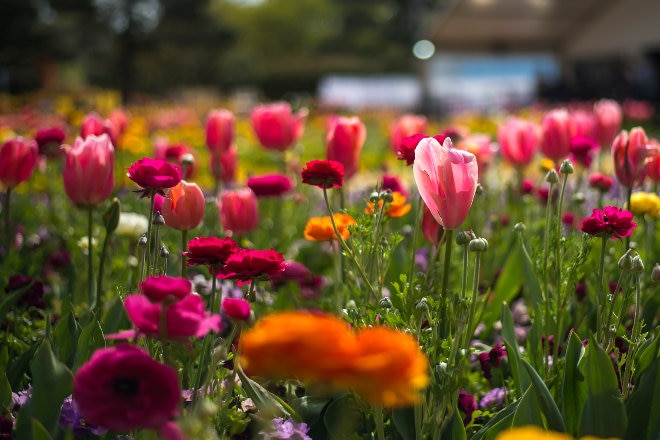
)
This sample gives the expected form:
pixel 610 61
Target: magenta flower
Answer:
pixel 49 140
pixel 89 170
pixel 270 185
pixel 160 287
pixel 405 150
pixel 246 264
pixel 236 308
pixel 276 127
pixel 154 175
pixel 467 404
pixel 609 221
pixel 122 388
pixel 446 179
pixel 18 159
pixel 210 251
pixel 344 139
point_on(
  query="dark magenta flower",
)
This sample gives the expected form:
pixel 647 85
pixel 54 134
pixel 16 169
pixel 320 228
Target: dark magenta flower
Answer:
pixel 122 388
pixel 236 308
pixel 609 221
pixel 210 251
pixel 467 404
pixel 247 264
pixel 160 287
pixel 583 148
pixel 33 290
pixel 154 175
pixel 270 185
pixel 323 173
pixel 601 182
pixel 406 149
pixel 393 183
pixel 49 140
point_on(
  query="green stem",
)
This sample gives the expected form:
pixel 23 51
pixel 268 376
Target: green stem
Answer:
pixel 600 294
pixel 184 244
pixel 90 258
pixel 380 426
pixel 635 339
pixel 149 262
pixel 544 288
pixel 419 211
pixel 7 219
pixel 99 277
pixel 206 346
pixel 469 331
pixel 558 259
pixel 445 330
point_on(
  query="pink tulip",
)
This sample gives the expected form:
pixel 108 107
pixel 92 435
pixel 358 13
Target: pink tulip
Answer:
pixel 183 206
pixel 239 210
pixel 629 154
pixel 481 146
pixel 276 126
pixel 94 124
pixel 556 134
pixel 224 165
pixel 344 140
pixel 18 158
pixel 220 127
pixel 518 141
pixel 446 179
pixel 609 116
pixel 431 229
pixel 405 126
pixel 582 123
pixel 117 122
pixel 89 169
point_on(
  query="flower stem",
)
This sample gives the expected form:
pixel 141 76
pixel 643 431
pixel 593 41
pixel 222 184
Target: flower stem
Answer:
pixel 600 294
pixel 413 245
pixel 7 219
pixel 90 258
pixel 99 277
pixel 184 243
pixel 149 226
pixel 380 426
pixel 469 331
pixel 445 330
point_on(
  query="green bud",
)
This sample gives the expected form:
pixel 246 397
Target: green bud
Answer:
pixel 519 227
pixel 164 252
pixel 479 190
pixel 158 219
pixel 142 241
pixel 387 196
pixel 578 197
pixel 385 303
pixel 655 272
pixel 111 216
pixel 187 160
pixel 566 167
pixel 464 237
pixel 478 245
pixel 552 177
pixel 374 197
pixel 625 262
pixel 637 264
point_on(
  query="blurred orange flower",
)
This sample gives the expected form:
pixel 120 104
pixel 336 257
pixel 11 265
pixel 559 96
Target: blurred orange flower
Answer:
pixel 382 365
pixel 320 228
pixel 397 207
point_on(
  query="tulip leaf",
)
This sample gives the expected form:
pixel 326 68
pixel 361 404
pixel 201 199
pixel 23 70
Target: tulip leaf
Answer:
pixel 115 318
pixel 528 412
pixel 643 406
pixel 5 391
pixel 501 421
pixel 343 417
pixel 455 430
pixel 91 339
pixel 19 367
pixel 269 404
pixel 648 352
pixel 404 421
pixel 65 338
pixel 545 401
pixel 519 373
pixel 603 412
pixel 39 432
pixel 574 391
pixel 51 384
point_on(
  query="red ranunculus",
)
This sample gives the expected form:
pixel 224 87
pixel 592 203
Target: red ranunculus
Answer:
pixel 158 288
pixel 236 308
pixel 154 175
pixel 609 221
pixel 601 182
pixel 323 173
pixel 210 251
pixel 122 388
pixel 270 185
pixel 247 264
pixel 406 148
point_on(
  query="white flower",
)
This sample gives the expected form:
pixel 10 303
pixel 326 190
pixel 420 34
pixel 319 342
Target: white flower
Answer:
pixel 132 225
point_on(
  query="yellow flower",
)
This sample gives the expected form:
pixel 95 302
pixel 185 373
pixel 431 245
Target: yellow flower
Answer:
pixel 643 203
pixel 384 366
pixel 320 228
pixel 398 206
pixel 535 433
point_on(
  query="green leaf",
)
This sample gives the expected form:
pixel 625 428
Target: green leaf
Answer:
pixel 91 339
pixel 648 352
pixel 343 417
pixel 115 318
pixel 39 432
pixel 269 404
pixel 528 412
pixel 455 430
pixel 404 421
pixel 501 421
pixel 51 384
pixel 545 401
pixel 5 391
pixel 603 413
pixel 111 216
pixel 506 288
pixel 65 338
pixel 519 373
pixel 574 391
pixel 19 367
pixel 643 406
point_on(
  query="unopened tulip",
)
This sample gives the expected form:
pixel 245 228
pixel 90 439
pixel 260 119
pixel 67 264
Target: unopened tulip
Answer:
pixel 18 158
pixel 556 135
pixel 220 127
pixel 406 125
pixel 344 140
pixel 239 210
pixel 519 141
pixel 629 154
pixel 276 127
pixel 94 124
pixel 609 116
pixel 183 206
pixel 89 169
pixel 446 179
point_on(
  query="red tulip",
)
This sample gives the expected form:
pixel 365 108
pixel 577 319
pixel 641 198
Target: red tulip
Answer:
pixel 239 210
pixel 220 127
pixel 344 140
pixel 629 154
pixel 89 169
pixel 518 141
pixel 556 134
pixel 276 126
pixel 18 158
pixel 446 179
pixel 183 206
pixel 405 126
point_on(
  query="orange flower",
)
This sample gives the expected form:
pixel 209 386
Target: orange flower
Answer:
pixel 384 366
pixel 398 206
pixel 320 228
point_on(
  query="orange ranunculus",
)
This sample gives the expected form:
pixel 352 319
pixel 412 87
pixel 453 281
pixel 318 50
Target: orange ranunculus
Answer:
pixel 320 228
pixel 382 365
pixel 398 206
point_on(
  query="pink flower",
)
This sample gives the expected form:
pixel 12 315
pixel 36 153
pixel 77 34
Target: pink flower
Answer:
pixel 583 148
pixel 406 125
pixel 609 116
pixel 18 158
pixel 236 308
pixel 518 141
pixel 184 318
pixel 609 221
pixel 431 229
pixel 93 124
pixel 220 127
pixel 481 146
pixel 122 388
pixel 601 182
pixel 246 264
pixel 154 175
pixel 629 154
pixel 239 210
pixel 276 127
pixel 160 287
pixel 446 179
pixel 118 121
pixel 89 169
pixel 270 185
pixel 556 134
pixel 344 139
pixel 183 206
pixel 224 165
pixel 49 140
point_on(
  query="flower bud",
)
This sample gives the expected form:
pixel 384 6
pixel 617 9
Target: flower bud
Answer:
pixel 479 190
pixel 142 241
pixel 578 198
pixel 519 227
pixel 464 237
pixel 374 197
pixel 164 252
pixel 655 273
pixel 387 196
pixel 478 245
pixel 625 262
pixel 637 264
pixel 552 176
pixel 566 167
pixel 385 303
pixel 158 219
pixel 187 160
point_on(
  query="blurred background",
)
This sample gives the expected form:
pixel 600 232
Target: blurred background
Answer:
pixel 428 56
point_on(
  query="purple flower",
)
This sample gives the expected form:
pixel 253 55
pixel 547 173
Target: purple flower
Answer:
pixel 70 418
pixel 493 398
pixel 21 398
pixel 286 430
